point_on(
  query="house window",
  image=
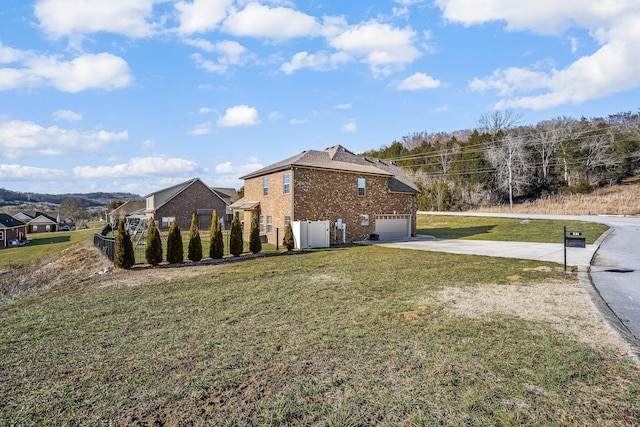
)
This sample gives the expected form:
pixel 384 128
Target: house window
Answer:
pixel 34 228
pixel 1 235
pixel 287 220
pixel 362 187
pixel 261 221
pixel 265 186
pixel 287 183
pixel 269 223
pixel 167 220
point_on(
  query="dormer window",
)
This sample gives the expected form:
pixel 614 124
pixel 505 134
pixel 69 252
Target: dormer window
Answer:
pixel 362 187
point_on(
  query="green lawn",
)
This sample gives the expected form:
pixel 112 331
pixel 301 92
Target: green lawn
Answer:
pixel 43 245
pixel 505 229
pixel 341 337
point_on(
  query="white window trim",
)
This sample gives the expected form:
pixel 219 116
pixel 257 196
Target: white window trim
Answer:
pixel 364 189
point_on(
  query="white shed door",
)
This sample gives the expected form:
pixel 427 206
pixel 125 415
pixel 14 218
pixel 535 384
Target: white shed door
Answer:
pixel 393 227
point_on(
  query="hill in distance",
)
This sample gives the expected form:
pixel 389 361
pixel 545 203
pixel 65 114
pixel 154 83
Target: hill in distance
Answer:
pixel 10 198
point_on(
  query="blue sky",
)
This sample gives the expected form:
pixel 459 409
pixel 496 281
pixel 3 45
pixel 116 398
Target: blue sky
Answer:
pixel 139 95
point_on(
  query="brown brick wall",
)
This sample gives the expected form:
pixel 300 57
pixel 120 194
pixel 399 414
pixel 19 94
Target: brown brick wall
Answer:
pixel 276 203
pixel 182 206
pixel 328 195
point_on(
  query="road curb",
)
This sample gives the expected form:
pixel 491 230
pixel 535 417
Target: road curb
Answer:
pixel 616 325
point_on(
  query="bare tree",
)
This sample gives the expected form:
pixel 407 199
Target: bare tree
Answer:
pixel 547 138
pixel 496 121
pixel 73 209
pixel 447 150
pixel 509 159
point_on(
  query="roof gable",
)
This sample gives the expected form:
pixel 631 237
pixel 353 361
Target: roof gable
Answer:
pixel 162 197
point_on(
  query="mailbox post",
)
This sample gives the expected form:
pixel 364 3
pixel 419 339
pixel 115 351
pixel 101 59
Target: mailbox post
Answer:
pixel 574 241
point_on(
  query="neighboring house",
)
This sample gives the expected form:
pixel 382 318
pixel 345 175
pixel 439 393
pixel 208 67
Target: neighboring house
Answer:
pixel 362 198
pixel 38 222
pixel 229 195
pixel 181 201
pixel 126 209
pixel 11 229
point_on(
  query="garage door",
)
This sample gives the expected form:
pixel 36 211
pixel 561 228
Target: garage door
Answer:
pixel 393 227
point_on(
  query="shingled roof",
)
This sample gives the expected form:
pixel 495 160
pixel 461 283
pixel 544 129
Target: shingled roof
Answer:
pixel 7 221
pixel 338 158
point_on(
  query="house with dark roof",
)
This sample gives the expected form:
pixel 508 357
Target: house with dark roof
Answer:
pixel 38 222
pixel 11 229
pixel 361 197
pixel 181 201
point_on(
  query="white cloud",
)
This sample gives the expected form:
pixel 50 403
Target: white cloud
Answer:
pixel 610 69
pixel 200 16
pixel 138 167
pixel 277 23
pixel 227 168
pixel 321 61
pixel 19 138
pixel 60 18
pixel 29 173
pixel 419 81
pixel 343 107
pixel 203 44
pixel 241 115
pixel 275 116
pixel 88 71
pixel 231 53
pixel 201 129
pixel 205 110
pixel 383 47
pixel 298 121
pixel 350 127
pixel 67 115
pixel 148 144
pixel 9 55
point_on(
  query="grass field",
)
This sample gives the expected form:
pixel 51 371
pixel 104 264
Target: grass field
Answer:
pixel 505 229
pixel 43 245
pixel 352 336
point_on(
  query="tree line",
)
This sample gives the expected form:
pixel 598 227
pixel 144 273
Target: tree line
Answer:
pixel 502 161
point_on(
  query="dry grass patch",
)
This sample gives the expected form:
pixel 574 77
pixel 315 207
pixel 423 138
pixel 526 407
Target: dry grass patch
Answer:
pixel 77 264
pixel 563 305
pixel 622 199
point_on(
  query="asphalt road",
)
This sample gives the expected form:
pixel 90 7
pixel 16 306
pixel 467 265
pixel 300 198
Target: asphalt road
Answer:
pixel 614 264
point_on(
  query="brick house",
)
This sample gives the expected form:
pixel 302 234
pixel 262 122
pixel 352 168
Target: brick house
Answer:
pixel 10 229
pixel 181 201
pixel 369 197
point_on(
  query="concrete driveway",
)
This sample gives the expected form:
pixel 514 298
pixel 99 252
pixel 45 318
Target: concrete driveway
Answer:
pixel 610 267
pixel 551 252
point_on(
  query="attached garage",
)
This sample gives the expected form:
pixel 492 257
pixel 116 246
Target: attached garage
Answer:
pixel 393 227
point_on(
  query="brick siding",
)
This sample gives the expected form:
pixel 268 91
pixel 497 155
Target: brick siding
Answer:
pixel 328 195
pixel 186 203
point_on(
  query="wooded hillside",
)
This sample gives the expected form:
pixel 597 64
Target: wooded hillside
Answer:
pixel 502 161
